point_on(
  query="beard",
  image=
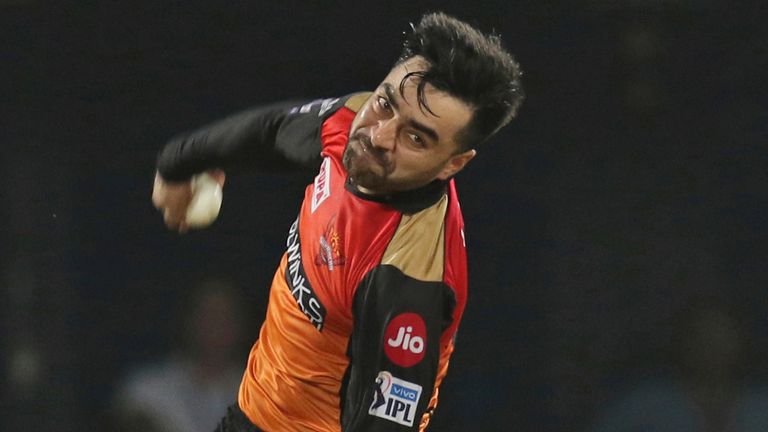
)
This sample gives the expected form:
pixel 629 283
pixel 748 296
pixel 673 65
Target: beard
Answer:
pixel 366 165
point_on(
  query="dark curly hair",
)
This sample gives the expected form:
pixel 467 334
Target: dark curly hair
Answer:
pixel 468 65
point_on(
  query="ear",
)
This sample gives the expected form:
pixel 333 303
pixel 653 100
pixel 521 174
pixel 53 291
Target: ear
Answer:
pixel 455 164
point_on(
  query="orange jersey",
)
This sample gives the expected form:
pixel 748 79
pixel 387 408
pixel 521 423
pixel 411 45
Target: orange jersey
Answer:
pixel 367 298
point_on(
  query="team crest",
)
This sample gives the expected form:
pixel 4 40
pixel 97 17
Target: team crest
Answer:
pixel 330 247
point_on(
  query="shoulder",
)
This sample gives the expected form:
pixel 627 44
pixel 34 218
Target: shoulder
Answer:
pixel 327 107
pixel 355 101
pixel 347 106
pixel 310 119
pixel 336 118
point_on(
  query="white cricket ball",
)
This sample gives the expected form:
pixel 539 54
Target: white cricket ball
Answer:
pixel 206 201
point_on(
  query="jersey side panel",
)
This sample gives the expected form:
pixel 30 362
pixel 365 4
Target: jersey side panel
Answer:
pixel 291 382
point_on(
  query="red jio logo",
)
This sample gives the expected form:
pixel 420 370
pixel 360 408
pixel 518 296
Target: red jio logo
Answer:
pixel 405 340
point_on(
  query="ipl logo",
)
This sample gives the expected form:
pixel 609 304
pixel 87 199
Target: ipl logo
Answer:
pixel 395 399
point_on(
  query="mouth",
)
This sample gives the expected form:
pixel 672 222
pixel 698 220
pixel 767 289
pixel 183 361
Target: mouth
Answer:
pixel 363 141
pixel 368 151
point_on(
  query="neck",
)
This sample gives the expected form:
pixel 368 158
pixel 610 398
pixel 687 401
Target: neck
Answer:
pixel 409 201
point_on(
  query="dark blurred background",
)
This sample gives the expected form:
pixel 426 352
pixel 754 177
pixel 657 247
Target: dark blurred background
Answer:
pixel 631 189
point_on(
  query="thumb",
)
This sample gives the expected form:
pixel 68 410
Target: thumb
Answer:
pixel 218 175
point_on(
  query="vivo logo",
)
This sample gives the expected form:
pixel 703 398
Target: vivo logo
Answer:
pixel 404 392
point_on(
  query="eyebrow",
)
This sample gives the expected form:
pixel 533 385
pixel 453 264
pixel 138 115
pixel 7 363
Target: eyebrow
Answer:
pixel 389 89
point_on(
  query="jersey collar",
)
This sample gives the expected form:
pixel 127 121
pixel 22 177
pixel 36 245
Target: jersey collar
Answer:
pixel 410 201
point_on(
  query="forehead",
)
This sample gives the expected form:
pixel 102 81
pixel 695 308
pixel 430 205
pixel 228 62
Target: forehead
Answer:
pixel 446 114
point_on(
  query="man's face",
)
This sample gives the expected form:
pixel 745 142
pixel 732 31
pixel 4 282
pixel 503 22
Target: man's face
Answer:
pixel 396 145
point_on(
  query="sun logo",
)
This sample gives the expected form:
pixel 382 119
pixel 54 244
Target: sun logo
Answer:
pixel 330 247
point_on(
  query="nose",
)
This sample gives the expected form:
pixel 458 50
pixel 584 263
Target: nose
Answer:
pixel 383 134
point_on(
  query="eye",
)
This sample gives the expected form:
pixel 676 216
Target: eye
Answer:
pixel 383 103
pixel 417 139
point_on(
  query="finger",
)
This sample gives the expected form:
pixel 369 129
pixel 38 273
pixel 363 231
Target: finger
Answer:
pixel 171 220
pixel 158 197
pixel 218 175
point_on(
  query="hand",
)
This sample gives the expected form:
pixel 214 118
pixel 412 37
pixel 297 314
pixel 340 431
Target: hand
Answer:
pixel 173 198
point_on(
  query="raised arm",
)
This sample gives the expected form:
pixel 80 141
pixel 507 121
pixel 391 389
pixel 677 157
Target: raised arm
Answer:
pixel 267 138
pixel 275 137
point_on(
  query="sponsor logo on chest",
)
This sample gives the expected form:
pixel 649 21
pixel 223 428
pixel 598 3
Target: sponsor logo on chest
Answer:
pixel 300 288
pixel 405 339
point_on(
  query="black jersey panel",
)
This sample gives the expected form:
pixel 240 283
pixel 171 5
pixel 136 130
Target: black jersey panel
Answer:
pixel 394 350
